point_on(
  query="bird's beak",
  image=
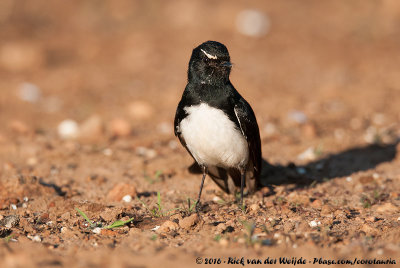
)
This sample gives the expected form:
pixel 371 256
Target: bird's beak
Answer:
pixel 226 64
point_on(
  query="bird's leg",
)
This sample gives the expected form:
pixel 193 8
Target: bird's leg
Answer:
pixel 204 169
pixel 242 180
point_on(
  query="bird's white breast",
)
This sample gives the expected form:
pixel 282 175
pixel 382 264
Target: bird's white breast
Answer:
pixel 212 138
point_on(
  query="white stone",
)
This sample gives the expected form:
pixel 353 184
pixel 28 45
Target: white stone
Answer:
pixel 107 152
pixel 97 230
pixel 307 155
pixel 314 223
pixel 29 92
pixel 253 23
pixel 127 198
pixel 216 198
pixel 68 129
pixel 35 238
pixel 156 228
pixel 297 116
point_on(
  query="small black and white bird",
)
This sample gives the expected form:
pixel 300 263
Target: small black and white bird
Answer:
pixel 215 123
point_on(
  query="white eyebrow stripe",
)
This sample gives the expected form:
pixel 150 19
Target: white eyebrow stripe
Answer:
pixel 209 55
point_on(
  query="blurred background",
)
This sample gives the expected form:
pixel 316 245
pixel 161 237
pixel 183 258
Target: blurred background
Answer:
pixel 118 68
pixel 88 94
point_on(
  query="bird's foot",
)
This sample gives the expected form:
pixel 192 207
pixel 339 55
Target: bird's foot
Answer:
pixel 198 207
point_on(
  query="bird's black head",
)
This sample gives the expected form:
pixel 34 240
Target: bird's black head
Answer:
pixel 209 64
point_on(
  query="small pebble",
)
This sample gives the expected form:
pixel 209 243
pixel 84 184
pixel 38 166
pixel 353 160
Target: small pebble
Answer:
pixel 140 110
pixel 349 179
pixel 68 129
pixel 167 226
pixel 9 221
pixel 19 127
pixel 97 230
pixel 378 119
pixel 29 92
pixel 216 198
pixel 371 219
pixel 326 210
pixel 156 228
pixel 307 155
pixel 297 116
pixel 371 135
pixel 309 130
pixel 148 153
pixel 35 238
pixel 252 22
pixel 107 152
pixel 120 127
pixel 120 190
pixel 224 242
pixel 254 207
pixel 32 161
pixel 127 198
pixel 316 203
pixel 91 128
pixel 314 223
pixel 188 222
pixel 221 227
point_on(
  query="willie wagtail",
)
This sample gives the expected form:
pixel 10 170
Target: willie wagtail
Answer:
pixel 216 125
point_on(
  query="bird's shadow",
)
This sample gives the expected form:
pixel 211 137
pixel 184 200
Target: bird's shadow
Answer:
pixel 341 164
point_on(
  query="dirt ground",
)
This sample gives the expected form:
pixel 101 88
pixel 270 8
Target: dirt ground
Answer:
pixel 321 76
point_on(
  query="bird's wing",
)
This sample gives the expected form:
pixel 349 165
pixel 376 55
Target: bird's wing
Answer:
pixel 179 116
pixel 249 127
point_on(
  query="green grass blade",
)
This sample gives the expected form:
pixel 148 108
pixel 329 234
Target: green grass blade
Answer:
pixel 84 216
pixel 118 223
pixel 8 238
pixel 159 204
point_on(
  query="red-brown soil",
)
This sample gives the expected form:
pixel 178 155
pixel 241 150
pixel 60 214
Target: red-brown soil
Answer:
pixel 323 82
